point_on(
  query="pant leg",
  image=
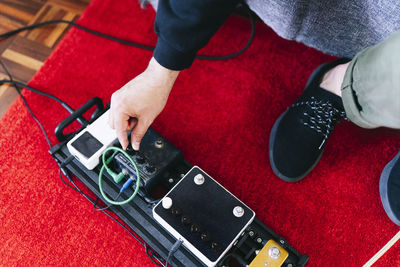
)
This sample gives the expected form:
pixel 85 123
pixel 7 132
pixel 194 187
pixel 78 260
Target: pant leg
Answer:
pixel 371 87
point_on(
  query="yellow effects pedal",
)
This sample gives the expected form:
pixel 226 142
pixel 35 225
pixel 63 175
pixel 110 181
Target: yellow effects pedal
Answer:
pixel 271 255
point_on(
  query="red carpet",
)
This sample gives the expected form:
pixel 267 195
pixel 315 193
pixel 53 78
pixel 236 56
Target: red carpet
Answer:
pixel 392 256
pixel 220 114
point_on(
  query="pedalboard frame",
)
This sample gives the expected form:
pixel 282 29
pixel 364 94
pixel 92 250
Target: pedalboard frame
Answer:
pixel 138 214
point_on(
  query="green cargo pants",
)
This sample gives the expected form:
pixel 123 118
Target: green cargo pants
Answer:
pixel 371 86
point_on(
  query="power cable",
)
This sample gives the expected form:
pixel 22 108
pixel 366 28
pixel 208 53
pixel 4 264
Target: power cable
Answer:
pixel 23 85
pixel 26 103
pixel 132 43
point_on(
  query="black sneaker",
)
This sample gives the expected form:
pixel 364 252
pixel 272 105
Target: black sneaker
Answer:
pixel 389 188
pixel 299 135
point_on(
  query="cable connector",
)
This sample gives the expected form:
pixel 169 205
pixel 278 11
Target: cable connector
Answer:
pixel 126 185
pixel 128 182
pixel 173 249
pixel 118 177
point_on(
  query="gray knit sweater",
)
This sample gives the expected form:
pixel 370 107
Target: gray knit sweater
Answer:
pixel 337 27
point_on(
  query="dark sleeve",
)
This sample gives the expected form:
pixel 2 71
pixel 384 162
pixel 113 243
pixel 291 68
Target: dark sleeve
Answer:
pixel 185 26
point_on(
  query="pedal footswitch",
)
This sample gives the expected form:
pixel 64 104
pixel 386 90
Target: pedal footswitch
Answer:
pixel 202 213
pixel 271 255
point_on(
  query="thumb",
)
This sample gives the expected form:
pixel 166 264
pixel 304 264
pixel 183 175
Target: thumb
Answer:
pixel 138 132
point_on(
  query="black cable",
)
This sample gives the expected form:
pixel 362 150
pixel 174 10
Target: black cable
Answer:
pixel 96 204
pixel 172 251
pixel 23 85
pixel 80 119
pixel 72 23
pixel 157 256
pixel 26 105
pixel 152 256
pixel 131 43
pixel 62 179
pixel 251 38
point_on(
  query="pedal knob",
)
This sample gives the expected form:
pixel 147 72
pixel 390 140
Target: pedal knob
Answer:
pixel 150 169
pixel 215 246
pixel 176 211
pixel 206 236
pixel 140 159
pixel 186 220
pixel 167 203
pixel 195 228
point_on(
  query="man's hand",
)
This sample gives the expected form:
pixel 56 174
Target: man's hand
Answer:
pixel 135 106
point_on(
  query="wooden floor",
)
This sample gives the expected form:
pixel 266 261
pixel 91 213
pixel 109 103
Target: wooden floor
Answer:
pixel 24 54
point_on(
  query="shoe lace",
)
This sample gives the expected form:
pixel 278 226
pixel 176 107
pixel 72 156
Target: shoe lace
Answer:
pixel 322 116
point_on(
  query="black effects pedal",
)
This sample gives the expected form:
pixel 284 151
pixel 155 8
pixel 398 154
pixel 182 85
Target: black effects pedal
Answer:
pixel 155 157
pixel 204 215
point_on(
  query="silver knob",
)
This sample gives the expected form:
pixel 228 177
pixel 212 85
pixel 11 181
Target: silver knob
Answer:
pixel 274 253
pixel 199 179
pixel 238 211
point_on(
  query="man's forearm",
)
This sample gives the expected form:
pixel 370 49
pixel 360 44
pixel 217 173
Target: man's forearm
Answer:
pixel 162 73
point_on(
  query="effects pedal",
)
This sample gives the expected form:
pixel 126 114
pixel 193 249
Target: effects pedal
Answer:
pixel 258 246
pixel 90 143
pixel 204 215
pixel 271 255
pixel 155 157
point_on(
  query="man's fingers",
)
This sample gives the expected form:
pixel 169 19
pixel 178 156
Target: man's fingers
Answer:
pixel 138 132
pixel 131 124
pixel 111 119
pixel 121 125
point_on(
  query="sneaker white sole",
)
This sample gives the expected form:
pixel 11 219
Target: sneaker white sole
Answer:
pixel 383 189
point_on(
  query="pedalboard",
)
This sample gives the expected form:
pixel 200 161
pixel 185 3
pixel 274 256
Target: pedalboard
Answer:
pixel 216 228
